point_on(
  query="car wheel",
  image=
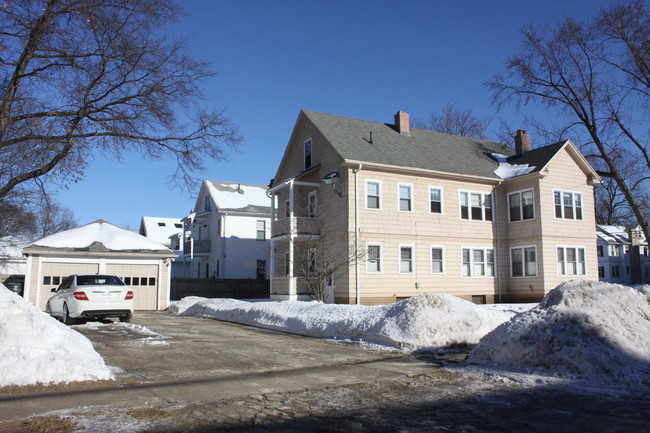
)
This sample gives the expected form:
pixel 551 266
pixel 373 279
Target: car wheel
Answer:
pixel 126 318
pixel 66 316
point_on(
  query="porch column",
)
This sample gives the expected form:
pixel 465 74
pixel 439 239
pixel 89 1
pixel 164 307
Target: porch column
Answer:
pixel 293 293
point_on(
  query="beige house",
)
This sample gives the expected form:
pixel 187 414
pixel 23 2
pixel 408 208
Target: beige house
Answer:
pixel 425 211
pixel 99 248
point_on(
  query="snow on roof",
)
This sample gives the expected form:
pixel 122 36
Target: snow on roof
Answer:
pixel 587 330
pixel 617 234
pixel 11 247
pixel 431 320
pixel 39 349
pixel 239 196
pixel 507 170
pixel 111 237
pixel 161 229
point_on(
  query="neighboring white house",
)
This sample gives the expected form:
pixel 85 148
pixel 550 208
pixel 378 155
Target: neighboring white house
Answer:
pixel 99 247
pixel 227 232
pixel 623 255
pixel 169 232
pixel 12 263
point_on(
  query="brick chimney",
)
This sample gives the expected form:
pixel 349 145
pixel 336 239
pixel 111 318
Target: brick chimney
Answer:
pixel 402 123
pixel 522 142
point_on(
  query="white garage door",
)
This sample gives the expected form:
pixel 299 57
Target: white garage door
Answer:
pixel 143 279
pixel 53 273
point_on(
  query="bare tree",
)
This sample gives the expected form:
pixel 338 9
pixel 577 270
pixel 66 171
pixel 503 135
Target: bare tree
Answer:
pixel 16 221
pixel 594 75
pixel 319 257
pixel 453 120
pixel 82 76
pixel 53 218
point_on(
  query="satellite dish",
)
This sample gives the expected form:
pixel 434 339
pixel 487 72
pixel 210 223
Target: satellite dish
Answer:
pixel 331 178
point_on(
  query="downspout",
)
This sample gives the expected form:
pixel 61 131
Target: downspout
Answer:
pixel 356 234
pixel 271 244
pixel 497 240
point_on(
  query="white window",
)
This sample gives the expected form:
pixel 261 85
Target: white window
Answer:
pixel 312 203
pixel 405 197
pixel 475 206
pixel 308 153
pixel 373 194
pixel 523 261
pixel 614 251
pixel 568 205
pixel 287 208
pixel 406 259
pixel 571 261
pixel 435 199
pixel 374 263
pixel 521 205
pixel 206 203
pixel 437 260
pixel 477 262
pixel 261 230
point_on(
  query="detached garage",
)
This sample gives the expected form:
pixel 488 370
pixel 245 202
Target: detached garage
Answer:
pixel 100 248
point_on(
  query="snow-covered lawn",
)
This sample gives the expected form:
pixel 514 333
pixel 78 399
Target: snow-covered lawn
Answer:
pixel 38 349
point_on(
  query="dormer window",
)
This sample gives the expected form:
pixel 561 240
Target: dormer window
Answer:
pixel 308 154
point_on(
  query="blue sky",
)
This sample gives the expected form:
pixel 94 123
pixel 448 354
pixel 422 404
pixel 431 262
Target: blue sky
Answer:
pixel 365 59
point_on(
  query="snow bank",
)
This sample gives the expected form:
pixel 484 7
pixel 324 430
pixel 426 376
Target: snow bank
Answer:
pixel 581 330
pixel 38 349
pixel 427 321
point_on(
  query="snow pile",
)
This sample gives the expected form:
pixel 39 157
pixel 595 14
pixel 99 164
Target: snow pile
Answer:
pixel 110 236
pixel 581 330
pixel 507 170
pixel 38 349
pixel 427 321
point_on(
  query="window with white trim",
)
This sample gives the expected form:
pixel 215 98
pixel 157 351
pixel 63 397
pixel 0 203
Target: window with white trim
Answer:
pixel 261 230
pixel 568 205
pixel 287 208
pixel 406 259
pixel 523 261
pixel 435 199
pixel 477 262
pixel 571 261
pixel 374 263
pixel 614 251
pixel 405 192
pixel 521 205
pixel 308 149
pixel 312 203
pixel 373 194
pixel 437 260
pixel 476 206
pixel 287 264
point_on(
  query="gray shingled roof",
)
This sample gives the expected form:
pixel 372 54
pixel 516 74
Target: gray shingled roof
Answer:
pixel 421 149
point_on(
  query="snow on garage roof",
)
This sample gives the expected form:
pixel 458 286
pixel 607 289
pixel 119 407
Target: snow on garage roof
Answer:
pixel 99 236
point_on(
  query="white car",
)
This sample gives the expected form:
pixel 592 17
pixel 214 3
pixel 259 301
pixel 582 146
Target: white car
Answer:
pixel 91 296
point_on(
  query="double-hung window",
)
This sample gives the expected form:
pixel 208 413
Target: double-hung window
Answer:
pixel 614 251
pixel 261 230
pixel 406 259
pixel 374 260
pixel 373 194
pixel 521 205
pixel 437 260
pixel 571 261
pixel 523 261
pixel 405 197
pixel 568 205
pixel 476 206
pixel 477 262
pixel 435 199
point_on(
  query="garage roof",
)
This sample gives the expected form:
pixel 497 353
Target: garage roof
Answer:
pixel 98 236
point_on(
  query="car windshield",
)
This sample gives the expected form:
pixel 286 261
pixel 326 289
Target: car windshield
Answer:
pixel 98 280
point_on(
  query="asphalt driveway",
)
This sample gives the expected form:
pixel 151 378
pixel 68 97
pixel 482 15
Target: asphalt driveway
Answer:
pixel 160 358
